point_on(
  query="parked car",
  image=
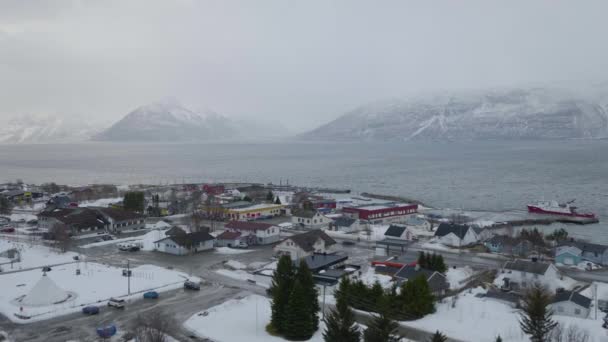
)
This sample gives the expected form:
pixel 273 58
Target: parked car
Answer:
pixel 190 285
pixel 117 303
pixel 90 310
pixel 151 295
pixel 107 238
pixel 241 244
pixel 134 248
pixel 46 269
pixel 7 230
pixel 127 273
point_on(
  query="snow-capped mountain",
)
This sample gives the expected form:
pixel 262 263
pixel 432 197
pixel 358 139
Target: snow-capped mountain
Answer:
pixel 534 113
pixel 35 129
pixel 169 121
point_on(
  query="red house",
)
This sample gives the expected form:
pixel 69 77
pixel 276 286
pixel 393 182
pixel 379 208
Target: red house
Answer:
pixel 213 189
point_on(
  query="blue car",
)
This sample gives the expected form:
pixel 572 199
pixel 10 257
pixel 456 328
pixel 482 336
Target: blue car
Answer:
pixel 90 310
pixel 151 295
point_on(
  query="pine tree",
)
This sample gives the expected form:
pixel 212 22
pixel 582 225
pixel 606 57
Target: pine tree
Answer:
pixel 417 297
pixel 298 321
pixel 441 266
pixel 434 262
pixel 498 338
pixel 381 329
pixel 304 276
pixel 340 323
pixel 277 201
pixel 421 260
pixel 269 196
pixel 535 319
pixel 438 337
pixel 280 289
pixel 6 207
pixel 428 261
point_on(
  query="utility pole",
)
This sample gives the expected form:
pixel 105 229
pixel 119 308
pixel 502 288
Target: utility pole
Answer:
pixel 128 276
pixel 324 301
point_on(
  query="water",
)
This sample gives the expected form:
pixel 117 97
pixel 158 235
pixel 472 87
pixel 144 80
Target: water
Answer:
pixel 493 175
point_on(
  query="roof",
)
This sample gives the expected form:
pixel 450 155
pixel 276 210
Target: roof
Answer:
pixel 237 204
pixel 307 240
pixel 189 239
pixel 395 231
pixel 415 221
pixel 119 214
pixel 506 240
pixel 303 213
pixel 175 231
pixel 257 207
pixel 251 226
pixel 388 270
pixel 586 246
pixel 527 266
pixel 344 221
pixel 316 261
pixel 436 280
pixel 79 218
pixel 227 235
pixel 574 297
pixel 459 230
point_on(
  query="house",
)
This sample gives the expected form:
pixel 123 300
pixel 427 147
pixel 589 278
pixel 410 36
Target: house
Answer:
pixel 381 213
pixel 593 252
pixel 437 281
pixel 319 262
pixel 525 273
pixel 175 231
pixel 482 233
pixel 418 223
pixel 456 235
pixel 570 303
pixel 568 255
pixel 504 244
pixel 228 239
pixel 305 244
pixel 185 244
pixel 398 232
pixel 255 233
pixel 60 202
pixel 345 224
pixel 122 220
pixel 309 219
pixel 78 220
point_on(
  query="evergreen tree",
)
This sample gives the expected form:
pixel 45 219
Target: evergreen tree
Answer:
pixel 434 262
pixel 421 260
pixel 498 338
pixel 269 196
pixel 247 199
pixel 535 319
pixel 381 329
pixel 298 321
pixel 280 289
pixel 440 266
pixel 438 337
pixel 417 298
pixel 277 201
pixel 304 276
pixel 340 323
pixel 428 261
pixel 6 207
pixel 134 201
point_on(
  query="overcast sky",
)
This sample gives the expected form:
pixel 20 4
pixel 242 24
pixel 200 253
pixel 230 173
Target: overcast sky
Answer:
pixel 300 62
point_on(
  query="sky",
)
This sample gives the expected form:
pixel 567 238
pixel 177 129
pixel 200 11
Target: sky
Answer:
pixel 302 63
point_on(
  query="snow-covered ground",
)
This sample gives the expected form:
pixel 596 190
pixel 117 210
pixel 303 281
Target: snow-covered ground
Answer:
pixel 375 233
pixel 434 245
pixel 552 284
pixel 369 277
pixel 228 250
pixel 239 320
pixel 102 202
pixel 24 217
pixel 33 255
pixel 583 266
pixel 146 241
pixel 457 275
pixel 95 285
pixel 482 319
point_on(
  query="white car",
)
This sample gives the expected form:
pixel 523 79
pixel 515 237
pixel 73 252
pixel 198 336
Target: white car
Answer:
pixel 117 303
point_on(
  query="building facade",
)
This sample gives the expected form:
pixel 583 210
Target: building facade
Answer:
pixel 381 213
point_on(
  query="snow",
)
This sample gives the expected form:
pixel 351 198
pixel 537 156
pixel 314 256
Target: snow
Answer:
pixel 158 225
pixel 236 265
pixel 96 284
pixel 482 319
pixel 241 319
pixel 26 217
pixel 551 284
pixel 34 255
pixel 376 233
pixel 583 265
pixel 434 245
pixel 456 275
pixel 228 250
pixel 370 277
pixel 236 274
pixel 102 202
pixel 146 241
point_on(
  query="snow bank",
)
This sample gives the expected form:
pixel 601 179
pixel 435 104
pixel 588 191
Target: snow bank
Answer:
pixel 370 277
pixel 237 320
pixel 34 255
pixel 228 250
pixel 235 265
pixel 146 241
pixel 102 202
pixel 457 275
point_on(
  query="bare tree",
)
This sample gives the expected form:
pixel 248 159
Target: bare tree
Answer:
pixel 154 326
pixel 61 234
pixel 572 334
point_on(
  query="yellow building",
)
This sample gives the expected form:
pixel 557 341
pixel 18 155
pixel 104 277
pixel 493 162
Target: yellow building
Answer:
pixel 253 212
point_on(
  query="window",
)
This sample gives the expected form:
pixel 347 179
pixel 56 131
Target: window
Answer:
pixel 577 311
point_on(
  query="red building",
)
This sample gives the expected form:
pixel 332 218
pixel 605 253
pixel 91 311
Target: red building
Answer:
pixel 381 213
pixel 324 204
pixel 213 189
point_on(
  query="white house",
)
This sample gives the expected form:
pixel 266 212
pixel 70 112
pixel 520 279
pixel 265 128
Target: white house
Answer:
pixel 228 239
pixel 456 235
pixel 570 303
pixel 309 219
pixel 418 223
pixel 526 273
pixel 345 224
pixel 303 245
pixel 183 244
pixel 399 232
pixel 255 233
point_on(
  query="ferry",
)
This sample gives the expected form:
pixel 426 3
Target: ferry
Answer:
pixel 555 208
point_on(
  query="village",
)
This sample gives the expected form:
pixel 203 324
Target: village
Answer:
pixel 207 255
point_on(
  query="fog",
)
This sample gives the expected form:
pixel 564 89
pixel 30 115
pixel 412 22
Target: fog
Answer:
pixel 302 63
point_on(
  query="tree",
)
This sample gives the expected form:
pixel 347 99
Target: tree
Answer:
pixel 381 329
pixel 6 207
pixel 535 319
pixel 340 323
pixel 438 337
pixel 280 289
pixel 299 325
pixel 153 326
pixel 61 234
pixel 247 199
pixel 134 201
pixel 417 298
pixel 269 196
pixel 304 276
pixel 277 201
pixel 498 338
pixel 558 235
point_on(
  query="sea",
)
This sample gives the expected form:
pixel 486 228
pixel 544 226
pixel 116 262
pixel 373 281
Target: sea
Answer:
pixel 488 175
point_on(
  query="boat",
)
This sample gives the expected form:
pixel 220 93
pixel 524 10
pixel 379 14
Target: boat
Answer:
pixel 555 208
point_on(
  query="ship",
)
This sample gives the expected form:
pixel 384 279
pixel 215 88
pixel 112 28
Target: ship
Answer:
pixel 555 208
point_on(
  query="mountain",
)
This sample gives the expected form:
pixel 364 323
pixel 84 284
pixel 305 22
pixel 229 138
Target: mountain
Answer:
pixel 35 129
pixel 532 113
pixel 169 121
